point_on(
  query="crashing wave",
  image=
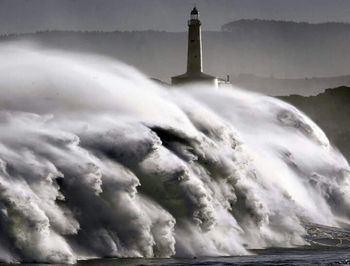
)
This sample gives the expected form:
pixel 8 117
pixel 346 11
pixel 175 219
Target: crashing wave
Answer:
pixel 96 160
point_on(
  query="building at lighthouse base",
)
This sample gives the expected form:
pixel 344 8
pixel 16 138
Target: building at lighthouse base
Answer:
pixel 201 78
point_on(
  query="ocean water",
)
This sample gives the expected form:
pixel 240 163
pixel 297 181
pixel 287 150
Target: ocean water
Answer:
pixel 297 257
pixel 273 257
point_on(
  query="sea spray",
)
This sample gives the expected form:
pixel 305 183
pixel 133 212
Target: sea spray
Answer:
pixel 96 160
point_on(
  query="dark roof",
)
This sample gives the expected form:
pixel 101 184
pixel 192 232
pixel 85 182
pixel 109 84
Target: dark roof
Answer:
pixel 194 11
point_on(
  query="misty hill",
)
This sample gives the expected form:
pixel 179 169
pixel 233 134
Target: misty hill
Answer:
pixel 281 27
pixel 279 87
pixel 330 110
pixel 285 50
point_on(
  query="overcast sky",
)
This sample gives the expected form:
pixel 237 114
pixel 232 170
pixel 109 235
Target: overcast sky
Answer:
pixel 169 15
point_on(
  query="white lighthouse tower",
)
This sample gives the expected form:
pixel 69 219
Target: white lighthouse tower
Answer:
pixel 194 73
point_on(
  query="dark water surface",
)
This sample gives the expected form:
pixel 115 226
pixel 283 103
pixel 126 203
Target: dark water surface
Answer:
pixel 320 256
pixel 324 256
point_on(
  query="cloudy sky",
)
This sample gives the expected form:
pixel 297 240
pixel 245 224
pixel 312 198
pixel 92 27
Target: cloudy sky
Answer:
pixel 17 16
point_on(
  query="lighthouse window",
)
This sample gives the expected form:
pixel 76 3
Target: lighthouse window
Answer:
pixel 192 40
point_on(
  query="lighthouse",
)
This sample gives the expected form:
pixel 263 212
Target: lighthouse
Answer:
pixel 194 51
pixel 194 73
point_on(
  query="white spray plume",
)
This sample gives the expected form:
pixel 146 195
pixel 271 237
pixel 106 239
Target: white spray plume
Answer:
pixel 96 160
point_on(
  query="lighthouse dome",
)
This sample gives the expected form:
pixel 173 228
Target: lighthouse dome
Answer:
pixel 194 11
